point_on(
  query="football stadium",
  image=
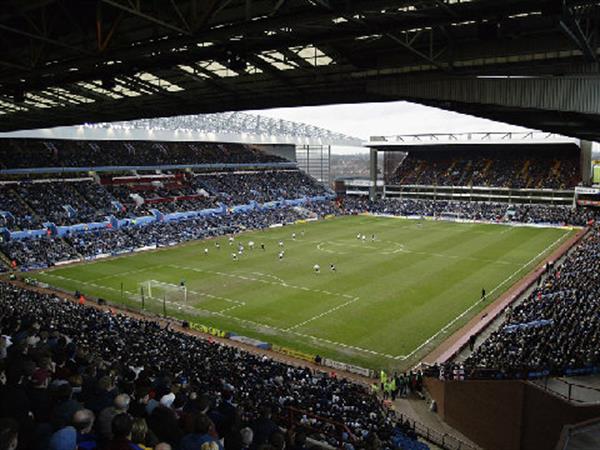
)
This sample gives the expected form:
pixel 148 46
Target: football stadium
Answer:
pixel 182 266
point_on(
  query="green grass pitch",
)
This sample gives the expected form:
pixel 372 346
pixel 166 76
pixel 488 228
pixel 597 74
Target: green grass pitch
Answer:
pixel 389 301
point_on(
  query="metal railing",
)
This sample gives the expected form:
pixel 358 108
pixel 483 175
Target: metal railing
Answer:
pixel 445 441
pixel 570 391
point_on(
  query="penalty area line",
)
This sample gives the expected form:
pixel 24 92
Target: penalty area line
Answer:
pixel 223 313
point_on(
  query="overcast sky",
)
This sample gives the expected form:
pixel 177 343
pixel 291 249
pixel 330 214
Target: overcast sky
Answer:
pixel 382 119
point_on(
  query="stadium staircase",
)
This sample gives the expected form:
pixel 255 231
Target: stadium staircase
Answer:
pixel 82 198
pixel 464 180
pixel 451 167
pixel 525 168
pixel 555 172
pixel 24 204
pixel 488 165
pixel 71 248
pixel 524 172
pixel 417 173
pixel 5 260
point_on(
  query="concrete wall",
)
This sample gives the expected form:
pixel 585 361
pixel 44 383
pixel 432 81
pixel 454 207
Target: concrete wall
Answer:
pixel 506 415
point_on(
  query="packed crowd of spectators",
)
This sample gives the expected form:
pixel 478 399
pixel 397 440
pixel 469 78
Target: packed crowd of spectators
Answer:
pixel 73 376
pixel 262 187
pixel 18 217
pixel 500 212
pixel 31 253
pixel 31 153
pixel 44 251
pixel 557 326
pixel 88 244
pixel 59 203
pixel 62 203
pixel 84 201
pixel 513 169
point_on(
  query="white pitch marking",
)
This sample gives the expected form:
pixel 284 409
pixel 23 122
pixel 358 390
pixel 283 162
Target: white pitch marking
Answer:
pixel 453 321
pixel 238 319
pixel 318 316
pixel 259 280
pixel 120 274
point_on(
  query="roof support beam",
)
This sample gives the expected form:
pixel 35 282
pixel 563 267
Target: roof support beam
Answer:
pixel 45 39
pixel 409 47
pixel 571 27
pixel 139 13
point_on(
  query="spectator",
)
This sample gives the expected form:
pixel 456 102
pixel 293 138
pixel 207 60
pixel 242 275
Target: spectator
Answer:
pixel 83 421
pixel 203 427
pixel 106 416
pixel 141 359
pixel 64 439
pixel 122 425
pixel 9 434
pixel 264 427
pixel 139 433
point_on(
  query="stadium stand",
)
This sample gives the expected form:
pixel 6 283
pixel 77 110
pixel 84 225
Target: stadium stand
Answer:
pixel 261 187
pixel 88 243
pixel 35 153
pixel 556 328
pixel 77 375
pixel 64 361
pixel 102 212
pixel 167 192
pixel 497 212
pixel 46 251
pixel 522 168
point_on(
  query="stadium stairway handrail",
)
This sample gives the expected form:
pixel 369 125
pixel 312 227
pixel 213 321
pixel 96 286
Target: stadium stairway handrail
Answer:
pixel 445 441
pixel 568 390
pixel 291 419
pixel 569 431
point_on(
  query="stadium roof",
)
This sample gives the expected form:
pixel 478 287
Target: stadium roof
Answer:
pixel 65 62
pixel 219 127
pixel 474 138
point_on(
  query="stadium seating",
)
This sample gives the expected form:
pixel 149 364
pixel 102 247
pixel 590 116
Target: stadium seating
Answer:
pixel 60 357
pixel 72 371
pixel 32 153
pixel 556 328
pixel 43 202
pixel 499 212
pixel 46 251
pixel 88 243
pixel 521 168
pixel 31 203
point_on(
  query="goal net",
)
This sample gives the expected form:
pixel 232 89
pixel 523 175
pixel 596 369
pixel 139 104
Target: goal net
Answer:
pixel 160 291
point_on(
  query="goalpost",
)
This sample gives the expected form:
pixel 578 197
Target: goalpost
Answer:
pixel 161 291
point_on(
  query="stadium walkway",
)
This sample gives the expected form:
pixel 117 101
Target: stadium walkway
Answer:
pixel 417 409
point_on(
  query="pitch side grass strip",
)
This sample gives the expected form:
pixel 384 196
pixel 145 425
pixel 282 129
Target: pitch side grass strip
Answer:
pixel 482 299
